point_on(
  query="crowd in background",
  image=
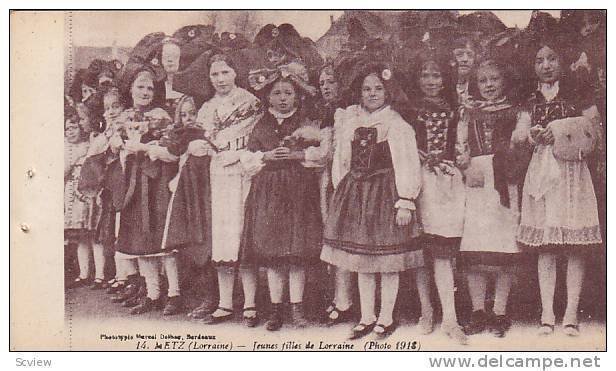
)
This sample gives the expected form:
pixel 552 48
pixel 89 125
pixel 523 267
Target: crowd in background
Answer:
pixel 460 154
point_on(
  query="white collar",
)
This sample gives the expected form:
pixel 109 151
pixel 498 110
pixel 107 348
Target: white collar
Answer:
pixel 281 116
pixel 549 91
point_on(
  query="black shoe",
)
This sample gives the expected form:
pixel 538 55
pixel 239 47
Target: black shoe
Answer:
pixel 336 316
pixel 146 305
pixel 98 284
pixel 361 330
pixel 202 311
pixel 250 320
pixel 125 293
pixel 79 282
pixel 298 319
pixel 477 324
pixel 174 305
pixel 210 319
pixel 133 301
pixel 274 322
pixel 383 331
pixel 116 287
pixel 499 325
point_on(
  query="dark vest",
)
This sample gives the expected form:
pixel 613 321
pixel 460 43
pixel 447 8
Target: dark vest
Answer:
pixel 435 131
pixel 368 156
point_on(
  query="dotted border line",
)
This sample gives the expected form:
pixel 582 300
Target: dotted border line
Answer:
pixel 68 17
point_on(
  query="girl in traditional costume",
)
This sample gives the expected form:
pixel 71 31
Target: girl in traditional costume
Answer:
pixel 559 207
pixel 228 119
pixel 282 226
pixel 371 226
pixel 493 176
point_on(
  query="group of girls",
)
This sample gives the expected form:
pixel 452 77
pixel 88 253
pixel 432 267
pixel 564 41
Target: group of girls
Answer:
pixel 458 175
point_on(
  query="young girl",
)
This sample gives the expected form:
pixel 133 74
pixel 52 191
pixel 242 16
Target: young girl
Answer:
pixel 228 118
pixel 340 309
pixel 464 54
pixel 282 226
pixel 492 211
pixel 96 169
pixel 376 174
pixel 150 167
pixel 441 201
pixel 77 228
pixel 559 208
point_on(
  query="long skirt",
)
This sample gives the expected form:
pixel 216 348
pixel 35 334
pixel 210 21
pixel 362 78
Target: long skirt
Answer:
pixel 441 212
pixel 229 191
pixel 282 224
pixel 565 213
pixel 489 237
pixel 361 234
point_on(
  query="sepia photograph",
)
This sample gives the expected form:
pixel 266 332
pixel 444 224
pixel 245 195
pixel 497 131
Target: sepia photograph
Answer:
pixel 325 180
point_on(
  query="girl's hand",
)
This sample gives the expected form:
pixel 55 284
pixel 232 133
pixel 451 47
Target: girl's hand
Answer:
pixel 548 136
pixel 133 146
pixel 280 153
pixel 115 142
pixel 294 155
pixel 463 160
pixel 198 148
pixel 404 216
pixel 535 133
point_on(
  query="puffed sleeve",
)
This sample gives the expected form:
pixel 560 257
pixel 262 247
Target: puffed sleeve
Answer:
pixel 318 156
pixel 156 152
pixel 405 158
pixel 521 133
pixel 341 163
pixel 251 158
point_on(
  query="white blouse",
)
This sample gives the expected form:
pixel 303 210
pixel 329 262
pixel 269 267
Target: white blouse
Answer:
pixel 402 145
pixel 234 137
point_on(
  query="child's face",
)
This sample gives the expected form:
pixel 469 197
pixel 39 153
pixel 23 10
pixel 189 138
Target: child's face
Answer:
pixel 490 82
pixel 282 97
pixel 547 65
pixel 431 80
pixel 84 117
pixel 72 131
pixel 86 92
pixel 188 114
pixel 171 58
pixel 222 77
pixel 372 93
pixel 142 90
pixel 465 59
pixel 105 79
pixel 113 107
pixel 328 86
pixel 588 26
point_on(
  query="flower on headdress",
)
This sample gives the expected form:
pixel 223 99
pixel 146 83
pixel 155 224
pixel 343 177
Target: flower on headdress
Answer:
pixel 118 64
pixel 232 36
pixel 154 61
pixel 261 78
pixel 275 32
pixel 386 74
pixel 284 72
pixel 192 33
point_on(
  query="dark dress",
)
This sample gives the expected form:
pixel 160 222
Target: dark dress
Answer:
pixel 282 223
pixel 142 220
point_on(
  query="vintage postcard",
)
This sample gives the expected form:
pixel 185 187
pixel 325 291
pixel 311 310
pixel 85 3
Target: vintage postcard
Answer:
pixel 332 180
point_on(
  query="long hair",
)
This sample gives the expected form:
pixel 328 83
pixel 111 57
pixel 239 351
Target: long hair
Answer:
pixel 266 91
pixel 394 96
pixel 449 92
pixel 221 57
